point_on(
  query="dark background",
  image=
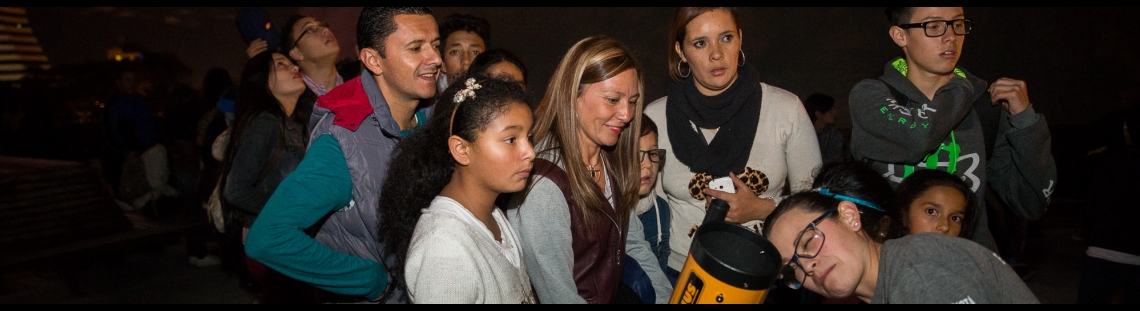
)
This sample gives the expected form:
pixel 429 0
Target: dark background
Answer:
pixel 1080 64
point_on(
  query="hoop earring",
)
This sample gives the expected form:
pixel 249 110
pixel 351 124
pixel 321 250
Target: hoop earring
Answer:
pixel 743 60
pixel 686 75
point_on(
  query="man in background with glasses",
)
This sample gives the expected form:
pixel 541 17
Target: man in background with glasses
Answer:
pixel 311 44
pixel 924 112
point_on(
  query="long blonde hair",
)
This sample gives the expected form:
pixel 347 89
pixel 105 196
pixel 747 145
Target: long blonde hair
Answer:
pixel 591 60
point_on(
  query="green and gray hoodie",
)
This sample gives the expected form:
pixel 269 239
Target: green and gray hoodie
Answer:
pixel 960 132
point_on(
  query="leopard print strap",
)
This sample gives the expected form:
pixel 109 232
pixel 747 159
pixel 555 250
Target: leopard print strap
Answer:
pixel 756 180
pixel 697 184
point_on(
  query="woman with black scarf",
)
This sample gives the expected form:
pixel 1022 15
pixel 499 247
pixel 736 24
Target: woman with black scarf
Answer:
pixel 720 120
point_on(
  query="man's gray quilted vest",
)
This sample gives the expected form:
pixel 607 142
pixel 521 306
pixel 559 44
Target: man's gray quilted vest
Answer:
pixel 353 229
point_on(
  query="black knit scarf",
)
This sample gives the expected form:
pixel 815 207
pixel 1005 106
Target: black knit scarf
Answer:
pixel 735 113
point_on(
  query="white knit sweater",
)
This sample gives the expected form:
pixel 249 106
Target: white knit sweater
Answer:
pixel 453 258
pixel 785 149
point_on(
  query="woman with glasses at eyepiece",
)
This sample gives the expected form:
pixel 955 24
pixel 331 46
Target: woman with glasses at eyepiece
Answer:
pixel 830 239
pixel 720 120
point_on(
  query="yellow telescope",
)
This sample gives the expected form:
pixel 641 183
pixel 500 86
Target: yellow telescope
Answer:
pixel 727 263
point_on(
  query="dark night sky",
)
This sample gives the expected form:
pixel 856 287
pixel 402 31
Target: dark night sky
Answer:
pixel 202 37
pixel 1079 63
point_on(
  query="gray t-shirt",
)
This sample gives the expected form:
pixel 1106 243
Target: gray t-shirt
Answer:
pixel 935 268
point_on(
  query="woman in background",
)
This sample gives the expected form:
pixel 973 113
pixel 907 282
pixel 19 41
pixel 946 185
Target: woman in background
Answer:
pixel 499 64
pixel 719 120
pixel 267 142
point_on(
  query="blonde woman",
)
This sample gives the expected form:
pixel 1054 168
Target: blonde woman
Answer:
pixel 573 217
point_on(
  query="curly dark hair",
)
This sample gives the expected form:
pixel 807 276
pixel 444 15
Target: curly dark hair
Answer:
pixel 914 186
pixel 853 179
pixel 465 22
pixel 425 156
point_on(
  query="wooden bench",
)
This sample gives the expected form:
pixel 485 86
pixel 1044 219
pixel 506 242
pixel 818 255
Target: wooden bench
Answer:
pixel 60 215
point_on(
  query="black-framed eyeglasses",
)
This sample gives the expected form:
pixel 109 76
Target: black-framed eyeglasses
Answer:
pixel 938 28
pixel 312 28
pixel 655 155
pixel 807 245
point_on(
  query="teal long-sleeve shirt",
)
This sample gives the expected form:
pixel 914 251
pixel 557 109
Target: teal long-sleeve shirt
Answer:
pixel 320 185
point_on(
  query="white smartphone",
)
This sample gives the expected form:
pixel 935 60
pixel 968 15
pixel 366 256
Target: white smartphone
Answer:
pixel 723 184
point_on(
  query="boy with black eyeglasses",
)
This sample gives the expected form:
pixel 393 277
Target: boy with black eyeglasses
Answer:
pixel 924 112
pixel 311 44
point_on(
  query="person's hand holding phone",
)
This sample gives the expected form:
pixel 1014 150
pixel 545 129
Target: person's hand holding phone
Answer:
pixel 744 205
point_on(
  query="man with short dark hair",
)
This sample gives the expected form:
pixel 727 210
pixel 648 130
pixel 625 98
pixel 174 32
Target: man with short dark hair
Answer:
pixel 355 128
pixel 924 112
pixel 464 37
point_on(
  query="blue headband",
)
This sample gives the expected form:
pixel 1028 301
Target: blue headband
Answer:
pixel 827 192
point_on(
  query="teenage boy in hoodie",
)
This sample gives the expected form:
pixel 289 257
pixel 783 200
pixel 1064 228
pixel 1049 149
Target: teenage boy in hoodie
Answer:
pixel 924 112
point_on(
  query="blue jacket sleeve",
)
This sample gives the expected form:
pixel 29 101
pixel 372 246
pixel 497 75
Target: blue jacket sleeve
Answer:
pixel 320 185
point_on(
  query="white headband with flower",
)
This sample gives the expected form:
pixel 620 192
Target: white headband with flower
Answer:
pixel 460 96
pixel 467 92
